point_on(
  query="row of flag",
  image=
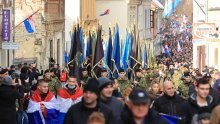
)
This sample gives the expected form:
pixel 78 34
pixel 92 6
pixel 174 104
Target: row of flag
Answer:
pixel 113 54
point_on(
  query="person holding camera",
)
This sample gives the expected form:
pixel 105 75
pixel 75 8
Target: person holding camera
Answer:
pixel 8 97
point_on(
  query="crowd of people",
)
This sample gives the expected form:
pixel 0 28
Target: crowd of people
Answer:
pixel 152 95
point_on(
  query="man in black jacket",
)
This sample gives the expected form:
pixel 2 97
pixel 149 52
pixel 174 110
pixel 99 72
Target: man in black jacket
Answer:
pixel 170 103
pixel 138 110
pixel 199 101
pixel 80 112
pixel 106 90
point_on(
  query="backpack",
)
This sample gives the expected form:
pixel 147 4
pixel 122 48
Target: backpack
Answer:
pixel 63 77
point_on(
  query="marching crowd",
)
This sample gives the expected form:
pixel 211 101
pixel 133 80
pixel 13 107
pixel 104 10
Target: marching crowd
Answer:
pixel 150 96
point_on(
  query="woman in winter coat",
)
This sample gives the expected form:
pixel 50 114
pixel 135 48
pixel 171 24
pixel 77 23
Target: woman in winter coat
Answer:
pixel 8 96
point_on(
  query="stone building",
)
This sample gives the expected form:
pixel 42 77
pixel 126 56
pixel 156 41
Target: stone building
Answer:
pixel 48 39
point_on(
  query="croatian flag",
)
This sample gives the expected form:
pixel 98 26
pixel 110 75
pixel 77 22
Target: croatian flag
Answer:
pixel 66 101
pixel 49 115
pixel 105 13
pixel 29 25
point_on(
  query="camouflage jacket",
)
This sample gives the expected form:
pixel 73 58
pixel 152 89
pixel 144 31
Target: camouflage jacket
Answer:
pixel 177 79
pixel 183 88
pixel 123 84
pixel 141 82
pixel 55 85
pixel 148 78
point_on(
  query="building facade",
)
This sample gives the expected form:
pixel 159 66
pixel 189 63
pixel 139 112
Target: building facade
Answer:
pixel 206 40
pixel 47 42
pixel 146 14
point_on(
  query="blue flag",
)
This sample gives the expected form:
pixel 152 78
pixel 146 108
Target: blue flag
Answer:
pixel 80 33
pixel 171 119
pixel 108 55
pixel 66 57
pixel 143 56
pixel 126 50
pixel 116 50
pixel 170 5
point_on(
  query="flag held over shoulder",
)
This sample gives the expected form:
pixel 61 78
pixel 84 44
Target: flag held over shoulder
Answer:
pixel 29 25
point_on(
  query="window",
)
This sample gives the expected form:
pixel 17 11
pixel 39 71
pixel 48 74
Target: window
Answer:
pixel 132 14
pixel 151 19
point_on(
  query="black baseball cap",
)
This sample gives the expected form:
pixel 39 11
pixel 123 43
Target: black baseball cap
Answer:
pixel 139 95
pixel 103 70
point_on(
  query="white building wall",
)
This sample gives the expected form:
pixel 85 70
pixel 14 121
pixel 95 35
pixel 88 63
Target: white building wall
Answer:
pixel 212 55
pixel 197 43
pixel 198 14
pixel 118 9
pixel 72 14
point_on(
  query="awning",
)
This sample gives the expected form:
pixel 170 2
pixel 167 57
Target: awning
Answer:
pixel 156 4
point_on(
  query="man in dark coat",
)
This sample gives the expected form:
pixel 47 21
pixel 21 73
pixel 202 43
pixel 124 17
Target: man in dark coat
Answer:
pixel 170 103
pixel 80 112
pixel 8 96
pixel 3 73
pixel 106 90
pixel 199 101
pixel 216 85
pixel 138 110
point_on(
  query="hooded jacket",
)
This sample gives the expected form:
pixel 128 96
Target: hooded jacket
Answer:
pixel 191 107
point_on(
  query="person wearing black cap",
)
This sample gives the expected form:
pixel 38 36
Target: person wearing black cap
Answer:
pixel 56 70
pixel 104 73
pixel 12 70
pixel 138 111
pixel 106 90
pixel 54 84
pixel 80 112
pixel 85 76
pixel 139 80
pixel 8 96
pixel 183 88
pixel 123 81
